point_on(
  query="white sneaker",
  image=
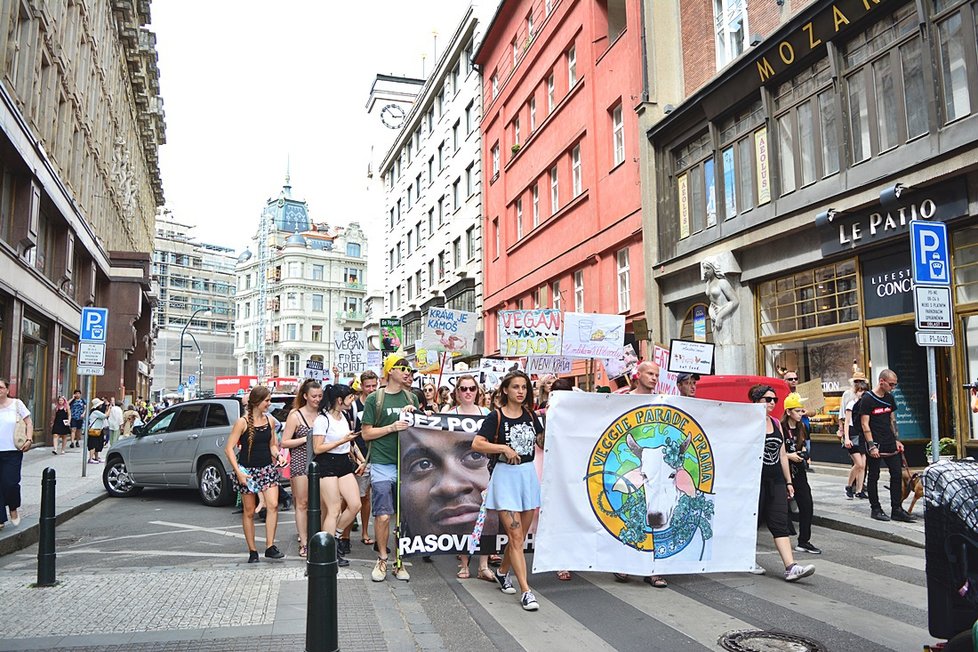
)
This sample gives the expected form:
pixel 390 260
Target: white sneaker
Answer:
pixel 757 570
pixel 529 601
pixel 401 573
pixel 505 584
pixel 379 573
pixel 796 571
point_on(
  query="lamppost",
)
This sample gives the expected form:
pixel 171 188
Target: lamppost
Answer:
pixel 207 312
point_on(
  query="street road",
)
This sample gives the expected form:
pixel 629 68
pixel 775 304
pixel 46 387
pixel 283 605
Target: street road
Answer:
pixel 866 594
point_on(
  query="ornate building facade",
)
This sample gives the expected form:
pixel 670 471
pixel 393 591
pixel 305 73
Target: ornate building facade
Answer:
pixel 81 121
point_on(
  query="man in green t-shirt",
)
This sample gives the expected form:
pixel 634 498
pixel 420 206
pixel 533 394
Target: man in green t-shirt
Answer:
pixel 381 421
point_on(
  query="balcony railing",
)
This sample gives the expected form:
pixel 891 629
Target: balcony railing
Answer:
pixel 350 315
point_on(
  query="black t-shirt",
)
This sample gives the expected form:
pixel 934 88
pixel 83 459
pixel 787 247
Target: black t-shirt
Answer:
pixel 771 462
pixel 520 433
pixel 259 454
pixel 879 411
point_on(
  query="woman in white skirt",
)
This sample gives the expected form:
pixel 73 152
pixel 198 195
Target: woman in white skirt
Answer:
pixel 509 435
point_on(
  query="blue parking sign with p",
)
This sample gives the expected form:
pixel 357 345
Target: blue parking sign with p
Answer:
pixel 930 253
pixel 94 324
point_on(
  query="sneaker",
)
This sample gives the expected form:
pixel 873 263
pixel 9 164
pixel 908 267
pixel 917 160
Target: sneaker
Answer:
pixel 863 495
pixel 879 515
pixel 902 516
pixel 529 601
pixel 253 557
pixel 850 492
pixel 343 547
pixel 807 547
pixel 505 584
pixel 341 561
pixel 757 570
pixel 379 573
pixel 272 552
pixel 796 571
pixel 401 573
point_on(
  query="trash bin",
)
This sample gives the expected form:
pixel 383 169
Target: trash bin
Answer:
pixel 951 546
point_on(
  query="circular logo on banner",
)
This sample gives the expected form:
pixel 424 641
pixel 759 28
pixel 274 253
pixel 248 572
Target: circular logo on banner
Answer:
pixel 650 480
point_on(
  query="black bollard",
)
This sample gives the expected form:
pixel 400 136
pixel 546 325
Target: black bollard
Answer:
pixel 322 623
pixel 314 511
pixel 45 546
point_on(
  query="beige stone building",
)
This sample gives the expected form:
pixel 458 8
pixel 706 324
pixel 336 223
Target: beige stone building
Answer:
pixel 81 121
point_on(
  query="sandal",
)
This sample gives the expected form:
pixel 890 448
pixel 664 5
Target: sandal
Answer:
pixel 563 576
pixel 495 560
pixel 486 574
pixel 367 541
pixel 657 582
pixel 463 573
pixel 303 550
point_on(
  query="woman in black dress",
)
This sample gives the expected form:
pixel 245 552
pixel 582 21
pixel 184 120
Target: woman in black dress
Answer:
pixel 61 427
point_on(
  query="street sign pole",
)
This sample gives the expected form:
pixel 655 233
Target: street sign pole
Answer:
pixel 932 394
pixel 86 418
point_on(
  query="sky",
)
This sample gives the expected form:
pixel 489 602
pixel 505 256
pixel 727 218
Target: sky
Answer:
pixel 248 86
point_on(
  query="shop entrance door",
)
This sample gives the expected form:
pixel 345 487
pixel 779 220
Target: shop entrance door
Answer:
pixel 894 347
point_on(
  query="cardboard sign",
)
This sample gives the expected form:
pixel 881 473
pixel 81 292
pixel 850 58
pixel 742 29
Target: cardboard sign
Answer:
pixel 623 365
pixel 529 332
pixel 351 351
pixel 374 361
pixel 427 362
pixel 591 335
pixel 667 379
pixel 449 330
pixel 691 357
pixel 549 364
pixel 811 395
pixel 391 335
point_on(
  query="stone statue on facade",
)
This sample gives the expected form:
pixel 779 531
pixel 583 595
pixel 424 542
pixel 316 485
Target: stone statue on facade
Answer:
pixel 723 293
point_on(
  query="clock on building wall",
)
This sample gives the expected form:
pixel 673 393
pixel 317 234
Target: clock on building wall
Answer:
pixel 392 115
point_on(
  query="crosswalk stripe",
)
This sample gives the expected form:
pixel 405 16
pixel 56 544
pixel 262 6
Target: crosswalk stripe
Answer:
pixel 696 620
pixel 893 590
pixel 847 617
pixel 550 624
pixel 917 563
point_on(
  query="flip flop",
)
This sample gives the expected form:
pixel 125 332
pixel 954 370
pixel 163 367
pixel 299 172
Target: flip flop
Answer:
pixel 367 541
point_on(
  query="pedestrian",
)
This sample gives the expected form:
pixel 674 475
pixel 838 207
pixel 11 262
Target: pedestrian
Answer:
pixel 368 385
pixel 544 387
pixel 468 396
pixel 646 383
pixel 130 419
pixel 254 469
pixel 97 419
pixel 16 426
pixel 511 434
pixel 381 424
pixel 77 406
pixel 60 426
pixel 298 427
pixel 795 437
pixel 430 393
pixel 852 436
pixel 792 378
pixel 877 415
pixel 444 399
pixel 686 384
pixel 776 485
pixel 331 437
pixel 114 421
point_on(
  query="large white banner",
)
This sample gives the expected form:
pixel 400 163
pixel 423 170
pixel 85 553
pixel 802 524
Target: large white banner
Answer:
pixel 649 484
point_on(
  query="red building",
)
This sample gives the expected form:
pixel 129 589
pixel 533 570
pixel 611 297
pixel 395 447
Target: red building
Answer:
pixel 562 195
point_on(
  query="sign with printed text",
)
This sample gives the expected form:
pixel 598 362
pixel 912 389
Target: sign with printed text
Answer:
pixel 314 370
pixel 374 361
pixel 933 307
pixel 391 335
pixel 691 357
pixel 529 332
pixel 91 354
pixel 351 351
pixel 592 335
pixel 549 364
pixel 667 379
pixel 449 330
pixel 935 338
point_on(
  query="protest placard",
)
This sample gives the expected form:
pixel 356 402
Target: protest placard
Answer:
pixel 667 379
pixel 592 335
pixel 391 335
pixel 449 330
pixel 624 365
pixel 691 357
pixel 426 361
pixel 548 364
pixel 493 370
pixel 374 361
pixel 529 332
pixel 351 352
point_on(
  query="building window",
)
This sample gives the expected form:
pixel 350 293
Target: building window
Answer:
pixel 519 218
pixel 533 114
pixel 317 272
pixel 516 133
pixel 431 222
pixel 550 93
pixel 495 230
pixel 468 118
pixel 617 135
pixel 469 184
pixel 291 332
pixel 409 238
pixel 548 6
pixel 397 248
pixel 292 301
pixel 953 36
pixel 529 26
pixel 695 185
pixel 441 266
pixel 431 170
pixel 536 204
pixel 317 333
pixel 554 191
pixel 555 287
pixel 516 51
pixel 579 291
pixel 455 130
pixel 317 303
pixel 410 289
pixel 730 19
pixel 624 283
pixel 470 243
pixel 417 186
pixel 441 156
pixel 738 158
pixel 495 160
pixel 456 202
pixel 292 364
pixel 417 234
pixel 878 63
pixel 824 296
pixel 577 186
pixel 457 253
pixel 571 67
pixel 494 84
pixel 441 210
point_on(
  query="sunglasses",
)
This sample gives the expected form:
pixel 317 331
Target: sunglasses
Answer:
pixel 468 389
pixel 791 379
pixel 407 370
pixel 770 399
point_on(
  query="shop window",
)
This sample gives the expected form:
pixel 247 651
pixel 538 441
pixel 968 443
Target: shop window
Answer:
pixel 694 167
pixel 695 327
pixel 824 296
pixel 885 86
pixel 965 242
pixel 805 114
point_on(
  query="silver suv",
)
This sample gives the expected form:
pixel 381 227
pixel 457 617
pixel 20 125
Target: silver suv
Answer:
pixel 183 446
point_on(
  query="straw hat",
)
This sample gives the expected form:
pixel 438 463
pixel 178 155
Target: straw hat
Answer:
pixel 97 403
pixel 858 375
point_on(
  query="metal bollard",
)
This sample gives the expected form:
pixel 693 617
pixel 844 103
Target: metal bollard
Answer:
pixel 45 546
pixel 314 519
pixel 322 623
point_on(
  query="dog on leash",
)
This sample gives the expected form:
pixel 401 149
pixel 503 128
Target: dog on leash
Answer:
pixel 912 484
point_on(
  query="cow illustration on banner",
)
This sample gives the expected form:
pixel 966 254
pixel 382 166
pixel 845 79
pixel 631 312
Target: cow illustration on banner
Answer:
pixel 649 484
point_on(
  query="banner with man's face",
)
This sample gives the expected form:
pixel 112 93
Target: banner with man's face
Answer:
pixel 442 482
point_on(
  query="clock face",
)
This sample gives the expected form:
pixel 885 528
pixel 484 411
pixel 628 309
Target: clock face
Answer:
pixel 392 115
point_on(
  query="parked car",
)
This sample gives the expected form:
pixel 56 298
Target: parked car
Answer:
pixel 182 446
